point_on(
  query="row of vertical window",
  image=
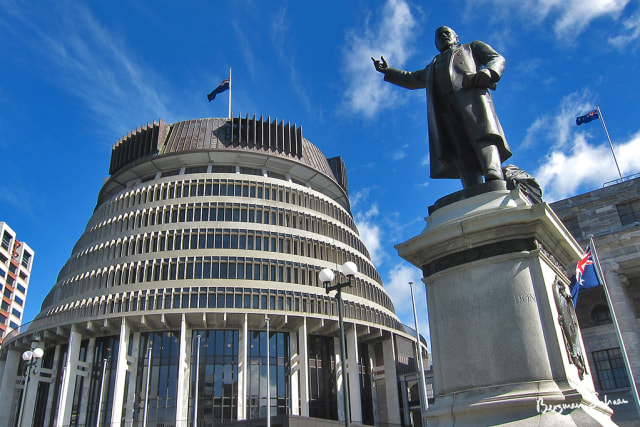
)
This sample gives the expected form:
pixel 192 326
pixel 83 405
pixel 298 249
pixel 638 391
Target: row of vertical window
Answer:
pixel 216 238
pixel 223 187
pixel 12 246
pixel 206 268
pixel 6 241
pixel 228 212
pixel 216 212
pixel 222 297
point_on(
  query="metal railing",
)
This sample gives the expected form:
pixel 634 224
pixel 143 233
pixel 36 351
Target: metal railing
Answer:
pixel 620 180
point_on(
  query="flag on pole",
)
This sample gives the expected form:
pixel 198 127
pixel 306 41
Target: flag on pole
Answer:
pixel 589 117
pixel 585 276
pixel 221 88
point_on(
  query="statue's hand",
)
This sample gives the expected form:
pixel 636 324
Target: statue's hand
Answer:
pixel 481 79
pixel 381 65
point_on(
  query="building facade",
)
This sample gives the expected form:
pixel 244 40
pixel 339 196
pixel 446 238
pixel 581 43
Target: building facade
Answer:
pixel 206 233
pixel 612 216
pixel 16 260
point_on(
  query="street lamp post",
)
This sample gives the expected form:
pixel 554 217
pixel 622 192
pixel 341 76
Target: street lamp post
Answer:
pixel 31 358
pixel 326 276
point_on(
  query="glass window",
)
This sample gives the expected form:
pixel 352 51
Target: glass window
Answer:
pixel 322 391
pixel 279 370
pixel 629 212
pixel 164 348
pixel 217 372
pixel 610 369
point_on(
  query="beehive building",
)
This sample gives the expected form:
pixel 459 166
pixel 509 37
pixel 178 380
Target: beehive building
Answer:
pixel 205 231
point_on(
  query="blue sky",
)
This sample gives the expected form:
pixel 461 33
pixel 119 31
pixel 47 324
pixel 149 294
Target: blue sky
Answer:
pixel 76 76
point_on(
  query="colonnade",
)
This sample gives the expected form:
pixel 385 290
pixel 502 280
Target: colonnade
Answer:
pixel 68 368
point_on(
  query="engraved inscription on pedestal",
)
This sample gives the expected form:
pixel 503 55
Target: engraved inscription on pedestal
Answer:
pixel 524 299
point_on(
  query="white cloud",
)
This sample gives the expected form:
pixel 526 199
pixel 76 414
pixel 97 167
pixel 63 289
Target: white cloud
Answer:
pixel 558 126
pixel 90 62
pixel 281 35
pixel 366 92
pixel 569 18
pixel 399 292
pixel 573 162
pixel 631 32
pixel 371 233
pixel 400 153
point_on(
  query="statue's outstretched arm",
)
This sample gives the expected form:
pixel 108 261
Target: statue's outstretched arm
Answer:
pixel 380 65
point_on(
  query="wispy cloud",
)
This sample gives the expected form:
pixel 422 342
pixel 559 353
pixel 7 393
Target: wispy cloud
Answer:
pixel 557 127
pixel 371 233
pixel 568 18
pixel 389 33
pixel 400 153
pixel 281 35
pixel 10 199
pixel 89 61
pixel 398 289
pixel 630 32
pixel 574 162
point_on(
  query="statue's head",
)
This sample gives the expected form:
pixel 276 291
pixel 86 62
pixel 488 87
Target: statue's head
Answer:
pixel 445 37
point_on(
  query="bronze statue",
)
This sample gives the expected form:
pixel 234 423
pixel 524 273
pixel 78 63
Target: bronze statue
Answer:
pixel 466 140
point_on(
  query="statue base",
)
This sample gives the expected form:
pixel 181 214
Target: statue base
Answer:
pixel 506 345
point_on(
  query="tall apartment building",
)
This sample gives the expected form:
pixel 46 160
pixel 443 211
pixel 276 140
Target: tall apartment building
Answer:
pixel 16 260
pixel 612 215
pixel 206 232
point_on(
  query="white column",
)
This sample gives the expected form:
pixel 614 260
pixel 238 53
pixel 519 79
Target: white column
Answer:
pixel 9 377
pixel 243 369
pixel 121 374
pixel 390 381
pixel 294 362
pixel 303 363
pixel 354 377
pixel 69 380
pixel 184 374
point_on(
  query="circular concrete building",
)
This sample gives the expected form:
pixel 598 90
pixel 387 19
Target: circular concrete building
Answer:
pixel 207 234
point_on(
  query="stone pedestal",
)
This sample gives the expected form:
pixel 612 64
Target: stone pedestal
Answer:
pixel 506 348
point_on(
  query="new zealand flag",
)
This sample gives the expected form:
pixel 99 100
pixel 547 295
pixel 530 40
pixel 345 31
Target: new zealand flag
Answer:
pixel 589 117
pixel 585 276
pixel 221 88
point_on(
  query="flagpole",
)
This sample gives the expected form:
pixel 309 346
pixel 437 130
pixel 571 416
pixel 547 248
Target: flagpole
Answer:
pixel 623 349
pixel 229 93
pixel 424 400
pixel 609 139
